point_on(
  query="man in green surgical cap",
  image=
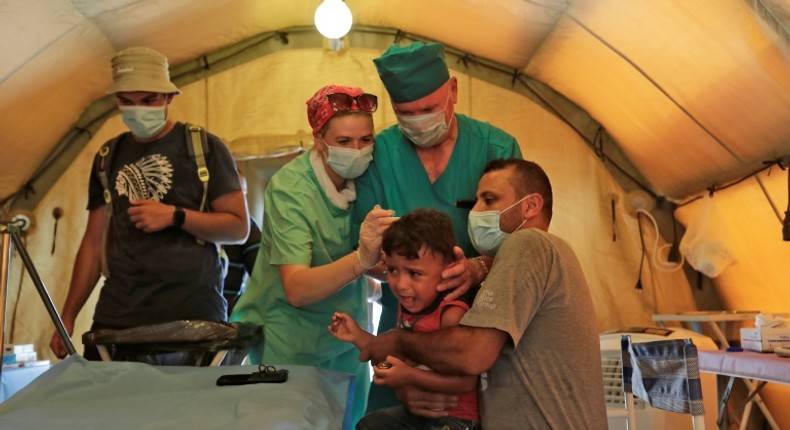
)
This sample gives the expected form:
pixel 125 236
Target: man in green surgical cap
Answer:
pixel 432 158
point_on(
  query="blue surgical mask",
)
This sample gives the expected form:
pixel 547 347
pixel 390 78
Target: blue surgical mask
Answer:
pixel 425 130
pixel 484 231
pixel 144 121
pixel 349 163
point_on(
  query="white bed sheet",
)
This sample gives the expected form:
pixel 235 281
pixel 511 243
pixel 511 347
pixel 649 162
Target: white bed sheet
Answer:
pixel 78 394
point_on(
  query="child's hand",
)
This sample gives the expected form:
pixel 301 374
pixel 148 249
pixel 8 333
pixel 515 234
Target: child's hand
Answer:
pixel 344 327
pixel 393 373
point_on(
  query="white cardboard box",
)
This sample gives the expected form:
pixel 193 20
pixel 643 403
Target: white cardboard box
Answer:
pixel 18 348
pixel 764 339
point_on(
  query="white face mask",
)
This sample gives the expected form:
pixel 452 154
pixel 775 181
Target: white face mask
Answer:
pixel 144 121
pixel 349 163
pixel 484 231
pixel 425 130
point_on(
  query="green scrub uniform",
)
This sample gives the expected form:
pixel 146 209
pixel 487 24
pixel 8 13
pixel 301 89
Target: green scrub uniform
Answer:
pixel 301 226
pixel 397 180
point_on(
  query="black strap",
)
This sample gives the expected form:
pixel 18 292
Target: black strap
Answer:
pixel 106 153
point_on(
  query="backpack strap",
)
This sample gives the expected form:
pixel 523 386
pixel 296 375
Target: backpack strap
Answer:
pixel 197 146
pixel 106 153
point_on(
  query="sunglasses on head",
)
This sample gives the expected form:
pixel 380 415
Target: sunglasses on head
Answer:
pixel 341 102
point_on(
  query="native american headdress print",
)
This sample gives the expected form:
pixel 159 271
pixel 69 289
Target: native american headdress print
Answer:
pixel 148 178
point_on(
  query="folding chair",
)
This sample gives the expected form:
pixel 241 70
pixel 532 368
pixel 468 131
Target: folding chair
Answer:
pixel 180 343
pixel 664 374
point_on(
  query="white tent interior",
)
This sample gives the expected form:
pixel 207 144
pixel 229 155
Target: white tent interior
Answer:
pixel 686 100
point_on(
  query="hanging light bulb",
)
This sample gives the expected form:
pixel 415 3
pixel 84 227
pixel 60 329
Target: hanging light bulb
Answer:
pixel 333 19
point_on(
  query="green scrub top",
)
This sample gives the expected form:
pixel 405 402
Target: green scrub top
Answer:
pixel 397 180
pixel 301 226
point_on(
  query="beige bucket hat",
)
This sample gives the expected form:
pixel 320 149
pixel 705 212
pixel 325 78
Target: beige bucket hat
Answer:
pixel 141 69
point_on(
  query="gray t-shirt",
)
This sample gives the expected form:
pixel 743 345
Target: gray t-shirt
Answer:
pixel 166 275
pixel 549 377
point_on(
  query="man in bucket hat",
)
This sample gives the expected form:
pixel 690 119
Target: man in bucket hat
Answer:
pixel 433 158
pixel 146 218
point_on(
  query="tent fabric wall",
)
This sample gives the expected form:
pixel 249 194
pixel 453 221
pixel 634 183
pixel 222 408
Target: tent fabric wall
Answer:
pixel 759 277
pixel 684 138
pixel 617 61
pixel 758 280
pixel 681 95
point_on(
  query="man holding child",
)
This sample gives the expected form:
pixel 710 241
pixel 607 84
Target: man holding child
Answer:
pixel 531 332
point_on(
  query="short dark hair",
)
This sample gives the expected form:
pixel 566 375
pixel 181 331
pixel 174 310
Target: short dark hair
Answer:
pixel 529 178
pixel 421 227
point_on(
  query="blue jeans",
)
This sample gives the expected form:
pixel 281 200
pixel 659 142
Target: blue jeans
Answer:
pixel 397 418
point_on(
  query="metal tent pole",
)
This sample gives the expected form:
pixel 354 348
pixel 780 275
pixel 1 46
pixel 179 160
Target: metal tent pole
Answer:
pixel 11 231
pixel 6 260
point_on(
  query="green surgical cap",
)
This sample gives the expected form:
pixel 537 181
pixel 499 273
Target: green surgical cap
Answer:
pixel 412 72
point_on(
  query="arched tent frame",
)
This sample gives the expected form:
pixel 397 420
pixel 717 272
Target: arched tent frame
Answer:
pixel 711 105
pixel 205 66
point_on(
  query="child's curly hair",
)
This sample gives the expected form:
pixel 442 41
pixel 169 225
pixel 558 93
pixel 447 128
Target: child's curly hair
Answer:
pixel 421 227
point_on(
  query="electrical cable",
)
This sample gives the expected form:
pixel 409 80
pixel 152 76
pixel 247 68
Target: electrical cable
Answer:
pixel 638 286
pixel 674 251
pixel 614 220
pixel 786 222
pixel 663 266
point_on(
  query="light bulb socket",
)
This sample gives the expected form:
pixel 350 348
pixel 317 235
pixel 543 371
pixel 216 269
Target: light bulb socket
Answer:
pixel 786 227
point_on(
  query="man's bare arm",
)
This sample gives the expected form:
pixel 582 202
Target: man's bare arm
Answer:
pixel 456 350
pixel 228 221
pixel 460 350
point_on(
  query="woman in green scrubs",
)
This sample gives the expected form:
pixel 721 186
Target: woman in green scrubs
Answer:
pixel 307 266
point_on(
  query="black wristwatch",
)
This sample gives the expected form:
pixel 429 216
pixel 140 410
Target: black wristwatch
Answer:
pixel 179 216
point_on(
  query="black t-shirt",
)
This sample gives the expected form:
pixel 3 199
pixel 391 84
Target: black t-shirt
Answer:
pixel 167 275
